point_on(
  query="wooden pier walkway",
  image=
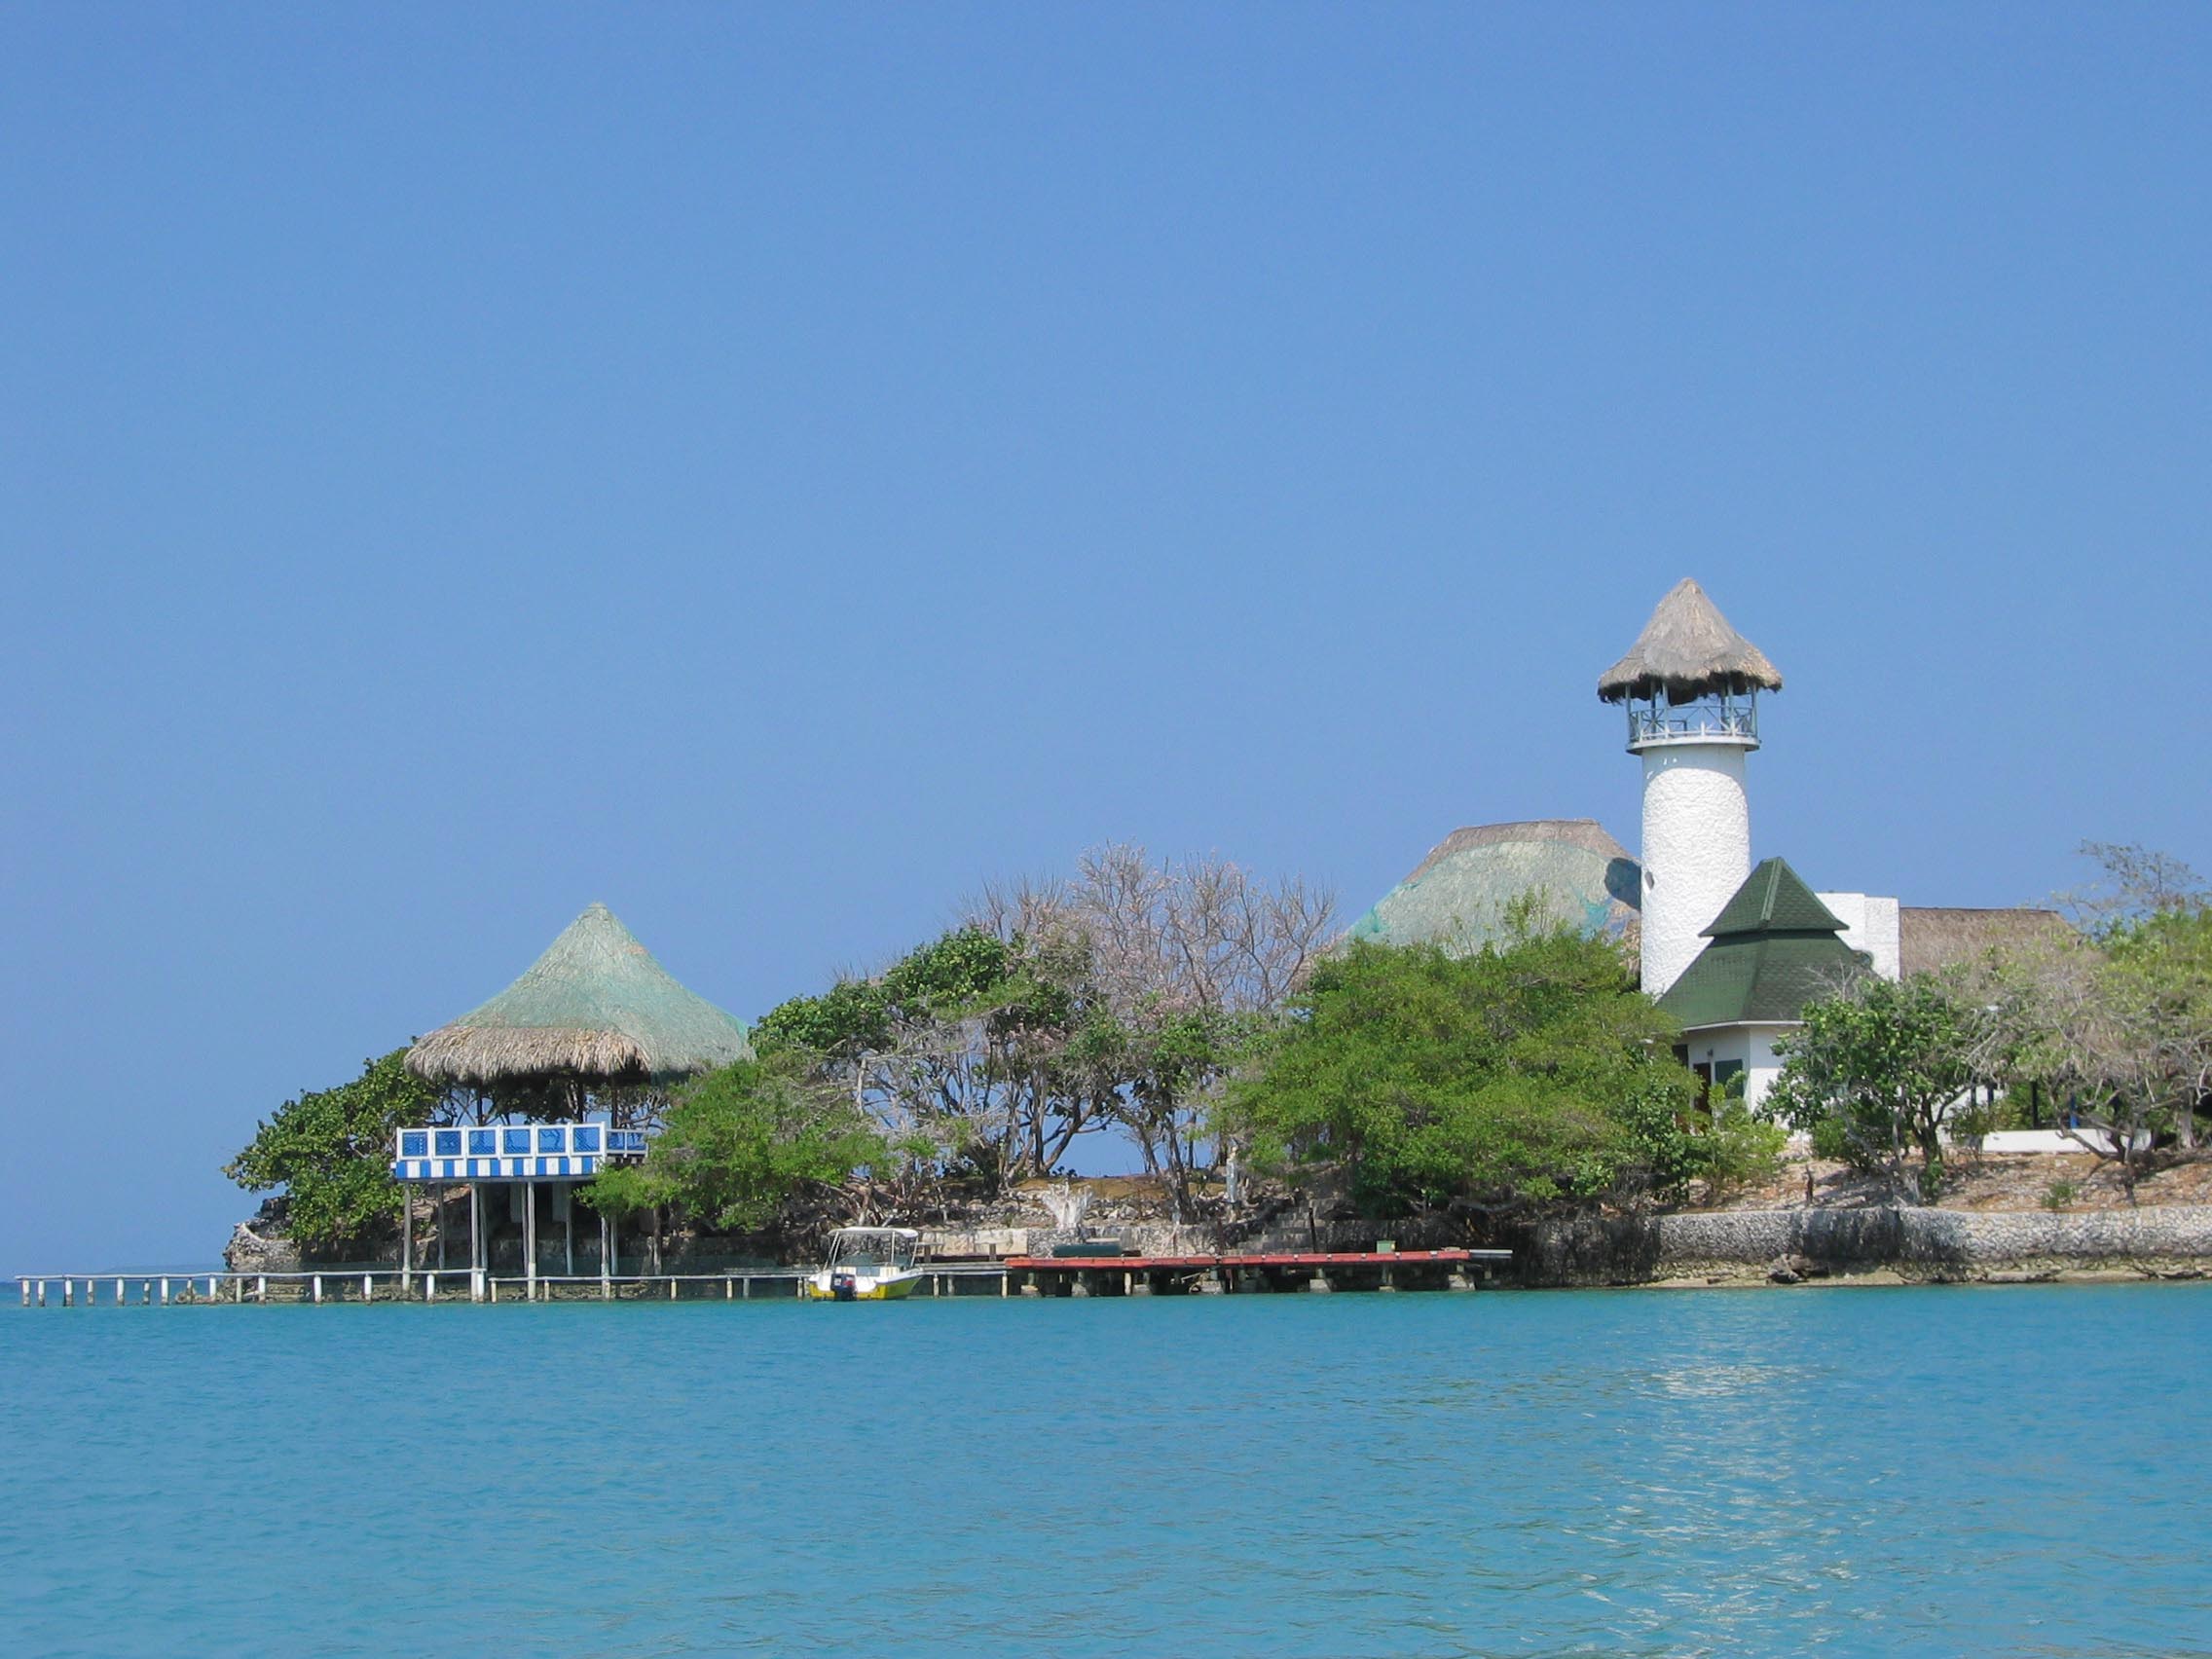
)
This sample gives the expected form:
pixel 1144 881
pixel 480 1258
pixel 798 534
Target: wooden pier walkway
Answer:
pixel 450 1285
pixel 1016 1275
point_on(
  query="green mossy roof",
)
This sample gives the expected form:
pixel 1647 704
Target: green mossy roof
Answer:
pixel 1459 896
pixel 1774 899
pixel 1774 949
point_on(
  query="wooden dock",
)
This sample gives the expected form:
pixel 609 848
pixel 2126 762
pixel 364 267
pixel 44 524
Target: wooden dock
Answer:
pixel 1204 1275
pixel 456 1285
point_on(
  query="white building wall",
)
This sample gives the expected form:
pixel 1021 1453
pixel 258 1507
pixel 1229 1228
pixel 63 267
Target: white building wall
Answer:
pixel 1870 924
pixel 1697 849
pixel 1751 1047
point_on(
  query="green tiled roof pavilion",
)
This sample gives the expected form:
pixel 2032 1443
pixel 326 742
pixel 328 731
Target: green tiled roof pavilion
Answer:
pixel 1774 949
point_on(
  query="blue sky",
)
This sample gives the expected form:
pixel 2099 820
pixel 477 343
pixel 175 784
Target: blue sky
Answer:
pixel 774 468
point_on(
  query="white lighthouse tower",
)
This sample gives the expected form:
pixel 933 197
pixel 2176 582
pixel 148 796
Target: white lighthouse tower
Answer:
pixel 1691 685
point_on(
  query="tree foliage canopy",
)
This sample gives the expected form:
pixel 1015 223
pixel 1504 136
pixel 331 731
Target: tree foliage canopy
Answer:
pixel 331 1150
pixel 1528 1073
pixel 1883 1059
pixel 2117 1022
pixel 738 1144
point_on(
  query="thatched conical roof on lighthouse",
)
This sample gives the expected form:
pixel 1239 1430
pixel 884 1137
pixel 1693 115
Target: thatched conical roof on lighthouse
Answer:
pixel 595 1008
pixel 1686 651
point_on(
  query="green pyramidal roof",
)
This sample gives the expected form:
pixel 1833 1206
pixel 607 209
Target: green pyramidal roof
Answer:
pixel 1774 899
pixel 596 1005
pixel 1774 949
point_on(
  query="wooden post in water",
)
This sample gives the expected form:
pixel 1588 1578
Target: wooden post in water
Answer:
pixel 445 1192
pixel 406 1233
pixel 368 1288
pixel 318 1290
pixel 530 1237
pixel 165 1293
pixel 261 1288
pixel 119 1293
pixel 606 1258
pixel 429 1287
pixel 475 1241
pixel 569 1229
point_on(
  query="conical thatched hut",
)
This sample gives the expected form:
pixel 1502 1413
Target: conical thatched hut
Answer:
pixel 1687 652
pixel 595 1013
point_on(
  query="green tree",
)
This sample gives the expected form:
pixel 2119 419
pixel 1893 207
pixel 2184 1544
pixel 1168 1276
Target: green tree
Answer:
pixel 331 1149
pixel 2115 1021
pixel 1527 1074
pixel 1882 1060
pixel 958 1053
pixel 740 1144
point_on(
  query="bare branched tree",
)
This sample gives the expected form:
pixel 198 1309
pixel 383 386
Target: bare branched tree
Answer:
pixel 1178 960
pixel 2116 1020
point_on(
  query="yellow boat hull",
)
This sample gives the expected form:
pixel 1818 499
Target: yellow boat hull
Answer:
pixel 889 1290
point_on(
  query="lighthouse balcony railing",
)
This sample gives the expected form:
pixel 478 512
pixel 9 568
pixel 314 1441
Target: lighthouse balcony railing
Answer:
pixel 1693 722
pixel 511 1152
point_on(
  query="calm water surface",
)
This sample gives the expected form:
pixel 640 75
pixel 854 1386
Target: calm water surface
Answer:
pixel 2014 1471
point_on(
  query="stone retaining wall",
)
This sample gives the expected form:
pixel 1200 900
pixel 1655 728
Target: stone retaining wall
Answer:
pixel 1936 1244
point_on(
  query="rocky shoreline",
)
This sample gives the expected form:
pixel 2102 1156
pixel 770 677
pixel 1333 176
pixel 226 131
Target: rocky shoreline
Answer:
pixel 1908 1245
pixel 1991 1232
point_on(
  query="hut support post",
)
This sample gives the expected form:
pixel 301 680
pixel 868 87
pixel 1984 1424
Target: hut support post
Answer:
pixel 605 1258
pixel 530 1236
pixel 475 1242
pixel 569 1229
pixel 406 1233
pixel 444 1193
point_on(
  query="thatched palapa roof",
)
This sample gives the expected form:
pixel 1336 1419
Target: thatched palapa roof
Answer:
pixel 1459 895
pixel 595 1005
pixel 1688 650
pixel 1931 938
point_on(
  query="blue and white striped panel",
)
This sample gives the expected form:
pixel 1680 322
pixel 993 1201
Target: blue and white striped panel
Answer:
pixel 492 1168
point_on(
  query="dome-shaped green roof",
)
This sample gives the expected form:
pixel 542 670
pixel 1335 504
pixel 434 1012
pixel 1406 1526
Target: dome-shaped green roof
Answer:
pixel 1458 897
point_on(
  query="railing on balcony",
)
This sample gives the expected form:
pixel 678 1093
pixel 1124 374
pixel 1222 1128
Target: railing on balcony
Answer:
pixel 512 1152
pixel 1720 721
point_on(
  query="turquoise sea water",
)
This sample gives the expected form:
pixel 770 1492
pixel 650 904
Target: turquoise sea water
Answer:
pixel 2000 1471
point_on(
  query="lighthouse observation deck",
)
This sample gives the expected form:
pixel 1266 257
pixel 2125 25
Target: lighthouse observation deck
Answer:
pixel 1655 722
